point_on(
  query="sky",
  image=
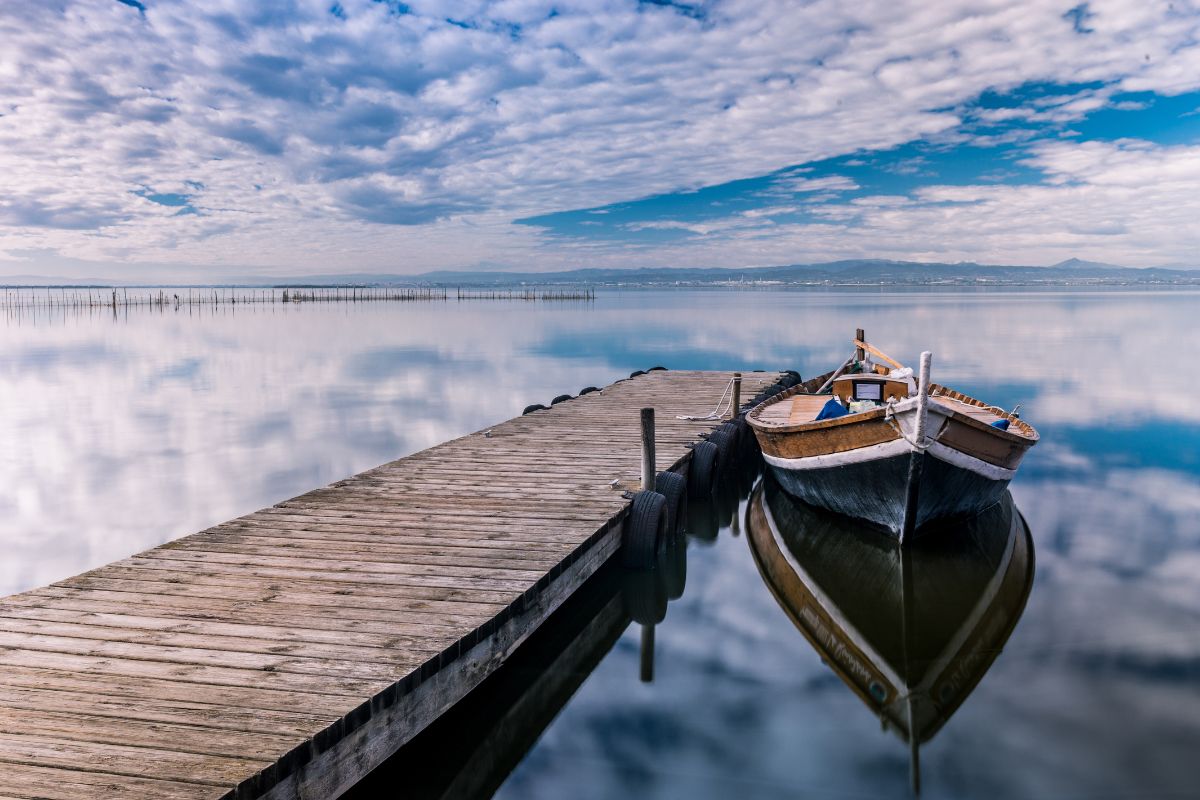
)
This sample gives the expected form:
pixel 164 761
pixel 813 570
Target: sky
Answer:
pixel 165 140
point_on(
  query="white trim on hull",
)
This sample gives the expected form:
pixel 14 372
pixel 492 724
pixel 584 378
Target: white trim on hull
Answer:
pixel 896 447
pixel 957 458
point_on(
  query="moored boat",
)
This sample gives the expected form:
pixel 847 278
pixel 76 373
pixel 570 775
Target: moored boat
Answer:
pixel 866 442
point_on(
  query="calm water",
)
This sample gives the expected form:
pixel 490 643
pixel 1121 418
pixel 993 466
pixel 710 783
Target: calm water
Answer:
pixel 123 433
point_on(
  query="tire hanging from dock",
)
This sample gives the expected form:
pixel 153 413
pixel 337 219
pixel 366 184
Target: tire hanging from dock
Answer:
pixel 673 487
pixel 645 529
pixel 704 469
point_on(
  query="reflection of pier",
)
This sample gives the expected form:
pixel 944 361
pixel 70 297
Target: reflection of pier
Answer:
pixel 289 652
pixel 910 630
pixel 470 750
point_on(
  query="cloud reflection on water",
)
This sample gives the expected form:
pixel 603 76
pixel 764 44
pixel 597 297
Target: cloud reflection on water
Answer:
pixel 123 434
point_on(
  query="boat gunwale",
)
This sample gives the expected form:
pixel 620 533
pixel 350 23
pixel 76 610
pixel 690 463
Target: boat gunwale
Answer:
pixel 938 390
pixel 935 390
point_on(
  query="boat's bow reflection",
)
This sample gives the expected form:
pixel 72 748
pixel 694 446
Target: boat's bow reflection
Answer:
pixel 910 630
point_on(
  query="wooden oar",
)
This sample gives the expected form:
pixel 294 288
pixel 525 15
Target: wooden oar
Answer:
pixel 837 374
pixel 877 352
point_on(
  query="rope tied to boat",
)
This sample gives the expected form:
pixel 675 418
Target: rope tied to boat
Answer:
pixel 889 415
pixel 723 406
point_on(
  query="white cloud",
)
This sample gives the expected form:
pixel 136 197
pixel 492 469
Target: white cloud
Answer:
pixel 1121 202
pixel 327 143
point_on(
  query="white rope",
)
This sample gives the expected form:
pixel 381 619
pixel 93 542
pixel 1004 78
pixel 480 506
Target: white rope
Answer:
pixel 723 406
pixel 890 416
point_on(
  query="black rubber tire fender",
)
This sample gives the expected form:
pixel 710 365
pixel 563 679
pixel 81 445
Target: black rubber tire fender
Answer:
pixel 703 470
pixel 562 398
pixel 645 530
pixel 702 520
pixel 637 372
pixel 657 369
pixel 748 450
pixel 673 486
pixel 532 408
pixel 587 390
pixel 674 564
pixel 724 443
pixel 735 432
pixel 644 596
pixel 725 502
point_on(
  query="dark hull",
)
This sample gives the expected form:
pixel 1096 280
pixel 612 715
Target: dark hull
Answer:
pixel 877 490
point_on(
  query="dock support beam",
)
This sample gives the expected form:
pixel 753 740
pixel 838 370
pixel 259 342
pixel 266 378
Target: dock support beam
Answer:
pixel 646 661
pixel 735 406
pixel 648 473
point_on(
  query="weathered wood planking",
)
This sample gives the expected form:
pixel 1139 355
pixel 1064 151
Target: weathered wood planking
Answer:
pixel 287 653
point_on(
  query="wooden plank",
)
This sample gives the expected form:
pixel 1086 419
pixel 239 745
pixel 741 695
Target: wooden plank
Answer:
pixel 190 610
pixel 280 642
pixel 31 782
pixel 213 718
pixel 48 654
pixel 189 737
pixel 136 690
pixel 123 760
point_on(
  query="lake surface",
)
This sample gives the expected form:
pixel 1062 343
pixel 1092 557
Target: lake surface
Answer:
pixel 124 431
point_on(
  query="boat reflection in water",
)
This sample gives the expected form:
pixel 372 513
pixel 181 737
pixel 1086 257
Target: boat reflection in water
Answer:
pixel 910 630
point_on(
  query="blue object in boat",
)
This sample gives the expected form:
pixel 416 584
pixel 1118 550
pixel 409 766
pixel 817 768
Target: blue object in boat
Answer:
pixel 831 410
pixel 1002 424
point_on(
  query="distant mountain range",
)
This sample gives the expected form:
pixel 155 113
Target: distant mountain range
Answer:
pixel 855 272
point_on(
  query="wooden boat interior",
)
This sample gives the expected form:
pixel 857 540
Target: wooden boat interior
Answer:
pixel 799 407
pixel 869 386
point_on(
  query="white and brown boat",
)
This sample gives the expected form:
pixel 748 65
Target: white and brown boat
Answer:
pixel 911 630
pixel 898 454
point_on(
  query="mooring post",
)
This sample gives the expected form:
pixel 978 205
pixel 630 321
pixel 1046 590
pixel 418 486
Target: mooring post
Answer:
pixel 923 395
pixel 647 654
pixel 859 353
pixel 917 458
pixel 736 406
pixel 648 473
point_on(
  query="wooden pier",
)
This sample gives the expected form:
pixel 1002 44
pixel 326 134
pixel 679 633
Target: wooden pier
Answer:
pixel 287 653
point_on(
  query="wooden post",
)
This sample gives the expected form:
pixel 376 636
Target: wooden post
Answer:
pixel 917 458
pixel 859 353
pixel 736 406
pixel 647 654
pixel 648 473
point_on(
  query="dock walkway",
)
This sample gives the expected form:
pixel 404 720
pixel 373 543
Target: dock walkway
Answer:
pixel 287 653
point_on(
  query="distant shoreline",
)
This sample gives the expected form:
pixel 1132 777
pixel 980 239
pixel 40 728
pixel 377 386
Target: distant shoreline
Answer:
pixel 1094 283
pixel 851 274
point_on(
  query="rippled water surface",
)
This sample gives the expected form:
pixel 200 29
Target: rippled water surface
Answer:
pixel 123 432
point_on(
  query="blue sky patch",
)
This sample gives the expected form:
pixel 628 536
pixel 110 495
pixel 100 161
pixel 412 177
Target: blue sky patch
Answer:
pixel 183 202
pixel 991 146
pixel 1079 17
